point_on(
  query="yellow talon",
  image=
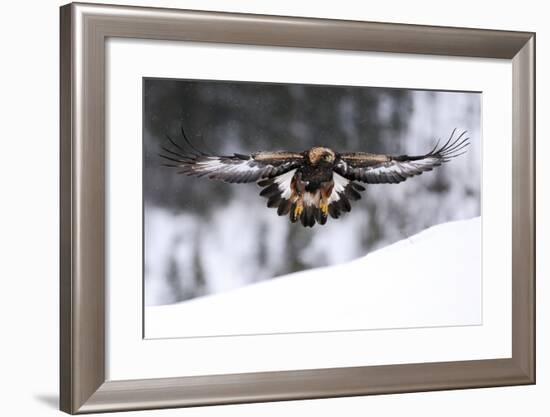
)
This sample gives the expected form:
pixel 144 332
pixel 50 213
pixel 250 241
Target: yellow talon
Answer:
pixel 298 211
pixel 324 209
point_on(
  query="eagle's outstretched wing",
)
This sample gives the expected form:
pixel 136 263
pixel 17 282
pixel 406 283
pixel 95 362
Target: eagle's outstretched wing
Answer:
pixel 236 168
pixel 379 169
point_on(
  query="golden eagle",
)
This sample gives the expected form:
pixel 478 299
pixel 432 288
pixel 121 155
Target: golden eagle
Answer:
pixel 311 185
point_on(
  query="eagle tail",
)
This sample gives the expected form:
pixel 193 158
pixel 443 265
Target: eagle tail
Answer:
pixel 309 207
pixel 303 208
pixel 308 215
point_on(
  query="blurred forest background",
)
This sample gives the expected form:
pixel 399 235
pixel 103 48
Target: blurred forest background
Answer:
pixel 202 236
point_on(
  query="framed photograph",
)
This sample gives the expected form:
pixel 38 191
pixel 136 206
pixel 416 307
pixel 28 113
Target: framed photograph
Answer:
pixel 260 208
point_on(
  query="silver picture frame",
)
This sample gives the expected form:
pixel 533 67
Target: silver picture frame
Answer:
pixel 84 30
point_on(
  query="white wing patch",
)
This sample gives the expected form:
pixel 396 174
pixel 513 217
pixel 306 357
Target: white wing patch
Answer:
pixel 284 181
pixel 215 164
pixel 340 184
pixel 404 168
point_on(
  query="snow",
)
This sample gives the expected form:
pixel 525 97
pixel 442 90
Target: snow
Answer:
pixel 430 279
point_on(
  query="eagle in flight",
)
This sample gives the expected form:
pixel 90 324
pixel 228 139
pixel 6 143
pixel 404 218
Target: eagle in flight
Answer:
pixel 311 185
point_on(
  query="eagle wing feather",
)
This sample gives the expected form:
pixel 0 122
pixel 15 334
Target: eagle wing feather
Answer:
pixel 387 169
pixel 236 168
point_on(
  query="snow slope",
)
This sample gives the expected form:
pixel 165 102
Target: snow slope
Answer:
pixel 430 279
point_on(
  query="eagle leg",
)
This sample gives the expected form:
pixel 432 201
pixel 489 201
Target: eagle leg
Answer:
pixel 326 191
pixel 298 210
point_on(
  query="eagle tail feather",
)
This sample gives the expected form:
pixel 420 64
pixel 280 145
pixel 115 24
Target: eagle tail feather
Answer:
pixel 309 207
pixel 308 216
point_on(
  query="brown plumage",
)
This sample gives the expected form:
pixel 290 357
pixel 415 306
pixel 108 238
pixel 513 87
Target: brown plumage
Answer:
pixel 312 185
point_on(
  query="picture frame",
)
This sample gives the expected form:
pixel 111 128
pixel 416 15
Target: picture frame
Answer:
pixel 84 30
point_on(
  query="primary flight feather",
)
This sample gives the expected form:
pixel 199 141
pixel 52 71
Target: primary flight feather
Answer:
pixel 312 185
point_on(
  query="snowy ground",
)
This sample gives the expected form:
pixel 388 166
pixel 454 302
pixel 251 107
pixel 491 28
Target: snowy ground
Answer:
pixel 430 279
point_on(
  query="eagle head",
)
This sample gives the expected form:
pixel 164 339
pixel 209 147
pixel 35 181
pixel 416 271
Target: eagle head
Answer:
pixel 320 155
